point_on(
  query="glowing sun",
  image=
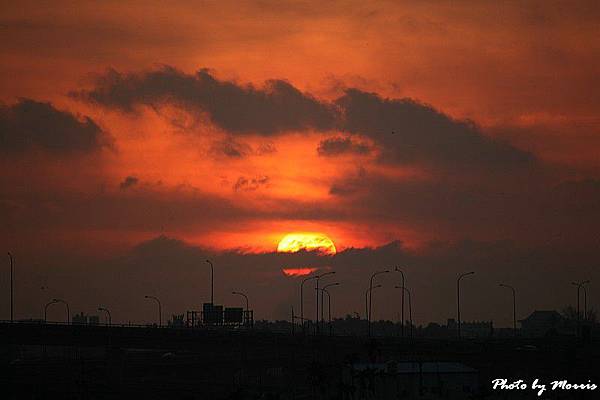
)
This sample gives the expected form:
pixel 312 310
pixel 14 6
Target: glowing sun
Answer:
pixel 311 241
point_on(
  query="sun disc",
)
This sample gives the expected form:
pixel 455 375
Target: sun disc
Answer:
pixel 311 241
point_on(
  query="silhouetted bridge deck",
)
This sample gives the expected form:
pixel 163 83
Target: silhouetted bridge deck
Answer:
pixel 227 351
pixel 215 339
pixel 123 336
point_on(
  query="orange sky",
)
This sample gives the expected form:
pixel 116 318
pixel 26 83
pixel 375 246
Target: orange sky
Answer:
pixel 524 73
pixel 139 138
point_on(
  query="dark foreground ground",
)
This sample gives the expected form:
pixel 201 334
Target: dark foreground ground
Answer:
pixel 86 362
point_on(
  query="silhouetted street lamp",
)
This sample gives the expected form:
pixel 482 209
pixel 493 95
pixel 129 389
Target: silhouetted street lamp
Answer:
pixel 402 312
pixel 246 297
pixel 159 309
pixel 46 310
pixel 328 298
pixel 581 285
pixel 302 299
pixel 514 307
pixel 328 306
pixel 409 308
pixel 317 297
pixel 585 315
pixel 108 313
pixel 212 282
pixel 247 305
pixel 370 301
pixel 458 297
pixel 11 287
pixel 367 304
pixel 68 311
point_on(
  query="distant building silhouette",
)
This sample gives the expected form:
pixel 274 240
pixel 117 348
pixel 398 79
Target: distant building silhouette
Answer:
pixel 542 323
pixel 83 319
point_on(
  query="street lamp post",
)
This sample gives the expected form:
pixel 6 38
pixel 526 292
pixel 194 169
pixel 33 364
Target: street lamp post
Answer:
pixel 67 305
pixel 402 312
pixel 246 297
pixel 107 313
pixel 585 316
pixel 317 298
pixel 409 308
pixel 11 288
pixel 324 290
pixel 328 307
pixel 46 310
pixel 247 303
pixel 370 295
pixel 458 297
pixel 367 300
pixel 302 299
pixel 514 307
pixel 159 308
pixel 212 282
pixel 579 286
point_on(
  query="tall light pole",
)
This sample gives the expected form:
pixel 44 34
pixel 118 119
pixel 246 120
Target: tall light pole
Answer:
pixel 302 299
pixel 402 312
pixel 585 317
pixel 46 310
pixel 212 282
pixel 159 309
pixel 317 297
pixel 68 311
pixel 514 307
pixel 370 296
pixel 328 306
pixel 458 297
pixel 107 313
pixel 409 307
pixel 579 286
pixel 247 303
pixel 11 287
pixel 367 292
pixel 328 298
pixel 246 297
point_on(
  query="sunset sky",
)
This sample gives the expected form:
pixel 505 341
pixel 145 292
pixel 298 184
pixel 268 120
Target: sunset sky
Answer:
pixel 138 139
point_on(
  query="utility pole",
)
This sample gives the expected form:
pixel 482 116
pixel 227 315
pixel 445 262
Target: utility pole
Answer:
pixel 514 307
pixel 371 295
pixel 458 298
pixel 212 282
pixel 11 288
pixel 402 300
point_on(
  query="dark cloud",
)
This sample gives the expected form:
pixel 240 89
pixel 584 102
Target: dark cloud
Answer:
pixel 245 184
pixel 531 208
pixel 341 145
pixel 431 275
pixel 178 274
pixel 276 107
pixel 411 132
pixel 407 131
pixel 128 182
pixel 32 124
pixel 350 184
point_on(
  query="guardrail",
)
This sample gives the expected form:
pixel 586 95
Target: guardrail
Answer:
pixel 201 327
